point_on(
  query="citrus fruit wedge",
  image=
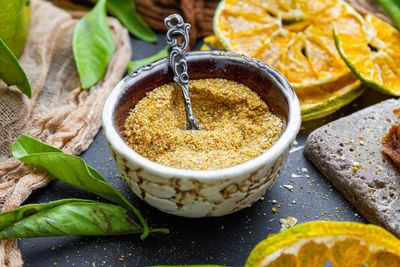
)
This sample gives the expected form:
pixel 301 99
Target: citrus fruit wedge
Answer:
pixel 342 243
pixel 323 100
pixel 373 55
pixel 294 36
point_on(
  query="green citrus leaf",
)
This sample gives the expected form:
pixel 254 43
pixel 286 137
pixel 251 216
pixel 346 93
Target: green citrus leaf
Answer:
pixel 76 218
pixel 11 71
pixel 135 64
pixel 14 24
pixel 93 45
pixel 71 170
pixel 125 11
pixel 392 7
pixel 8 218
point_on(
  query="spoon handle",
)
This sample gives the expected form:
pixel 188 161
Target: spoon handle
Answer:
pixel 177 59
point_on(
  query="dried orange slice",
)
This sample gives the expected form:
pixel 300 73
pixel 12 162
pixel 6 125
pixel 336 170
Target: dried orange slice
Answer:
pixel 323 100
pixel 294 36
pixel 342 243
pixel 373 55
pixel 213 41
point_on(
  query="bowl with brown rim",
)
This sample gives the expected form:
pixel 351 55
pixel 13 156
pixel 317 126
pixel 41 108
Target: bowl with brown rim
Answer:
pixel 201 193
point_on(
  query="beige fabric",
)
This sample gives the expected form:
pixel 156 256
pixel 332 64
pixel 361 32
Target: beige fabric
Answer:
pixel 59 113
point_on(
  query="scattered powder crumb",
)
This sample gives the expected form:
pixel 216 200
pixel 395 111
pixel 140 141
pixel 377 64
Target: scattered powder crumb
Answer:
pixel 288 187
pixel 304 170
pixel 273 201
pixel 287 223
pixel 356 164
pixel 296 175
pixel 294 149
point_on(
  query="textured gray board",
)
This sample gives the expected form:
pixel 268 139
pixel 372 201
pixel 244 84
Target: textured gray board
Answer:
pixel 348 152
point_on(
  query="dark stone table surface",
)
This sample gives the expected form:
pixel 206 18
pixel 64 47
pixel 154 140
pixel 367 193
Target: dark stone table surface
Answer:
pixel 225 240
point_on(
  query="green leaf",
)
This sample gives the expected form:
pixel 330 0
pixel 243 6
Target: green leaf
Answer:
pixel 93 45
pixel 125 11
pixel 11 71
pixel 392 7
pixel 10 217
pixel 79 218
pixel 135 64
pixel 71 170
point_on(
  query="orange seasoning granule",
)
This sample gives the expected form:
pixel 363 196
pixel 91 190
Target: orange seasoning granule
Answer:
pixel 236 125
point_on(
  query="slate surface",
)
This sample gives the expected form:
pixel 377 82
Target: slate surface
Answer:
pixel 225 240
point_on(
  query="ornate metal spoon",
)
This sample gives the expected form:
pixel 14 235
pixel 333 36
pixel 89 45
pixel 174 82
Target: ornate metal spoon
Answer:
pixel 177 59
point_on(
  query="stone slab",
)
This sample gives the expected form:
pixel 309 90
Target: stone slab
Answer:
pixel 348 152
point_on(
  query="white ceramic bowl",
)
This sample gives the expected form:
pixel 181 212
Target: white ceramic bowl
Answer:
pixel 199 193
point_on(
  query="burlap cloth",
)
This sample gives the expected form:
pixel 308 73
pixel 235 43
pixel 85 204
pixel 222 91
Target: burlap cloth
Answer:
pixel 59 113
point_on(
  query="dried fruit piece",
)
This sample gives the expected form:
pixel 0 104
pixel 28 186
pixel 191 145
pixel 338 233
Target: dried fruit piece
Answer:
pixel 213 41
pixel 373 54
pixel 391 142
pixel 342 243
pixel 293 36
pixel 320 101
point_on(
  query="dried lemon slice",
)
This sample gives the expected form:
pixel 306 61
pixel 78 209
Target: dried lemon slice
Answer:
pixel 342 243
pixel 373 55
pixel 294 36
pixel 323 100
pixel 213 41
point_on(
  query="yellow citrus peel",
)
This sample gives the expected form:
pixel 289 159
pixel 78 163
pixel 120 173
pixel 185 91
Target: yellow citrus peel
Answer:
pixel 372 54
pixel 341 243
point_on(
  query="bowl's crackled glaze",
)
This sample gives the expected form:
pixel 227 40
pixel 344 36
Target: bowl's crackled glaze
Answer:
pixel 199 193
